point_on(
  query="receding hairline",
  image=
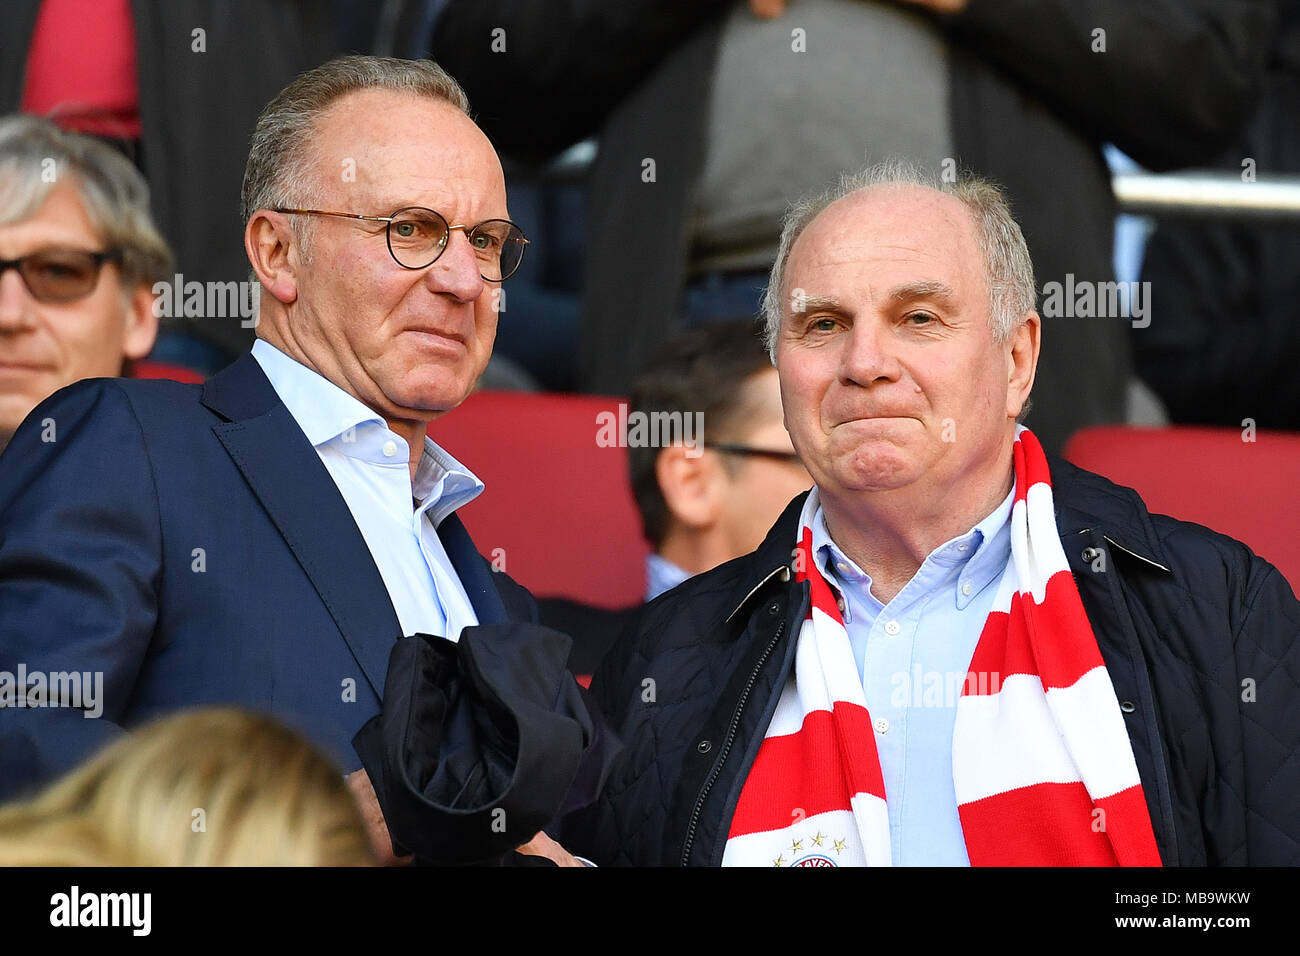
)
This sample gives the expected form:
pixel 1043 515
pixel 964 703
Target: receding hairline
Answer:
pixel 331 111
pixel 907 290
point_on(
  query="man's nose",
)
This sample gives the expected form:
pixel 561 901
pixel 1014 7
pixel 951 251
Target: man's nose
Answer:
pixel 869 354
pixel 457 272
pixel 15 302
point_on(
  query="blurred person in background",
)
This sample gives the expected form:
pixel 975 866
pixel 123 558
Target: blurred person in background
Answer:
pixel 709 501
pixel 79 255
pixel 700 508
pixel 712 116
pixel 211 787
pixel 1223 340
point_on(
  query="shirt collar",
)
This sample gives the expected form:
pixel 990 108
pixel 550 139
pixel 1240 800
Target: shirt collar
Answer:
pixel 661 575
pixel 322 410
pixel 330 416
pixel 977 557
pixel 442 484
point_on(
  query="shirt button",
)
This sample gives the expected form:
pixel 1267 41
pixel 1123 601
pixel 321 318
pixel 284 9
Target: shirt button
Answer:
pixel 965 588
pixel 892 629
pixel 882 725
pixel 961 547
pixel 844 568
pixel 390 448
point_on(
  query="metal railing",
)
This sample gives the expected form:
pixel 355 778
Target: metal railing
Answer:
pixel 1204 193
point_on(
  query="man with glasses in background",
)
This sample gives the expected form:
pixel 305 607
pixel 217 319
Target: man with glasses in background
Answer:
pixel 264 539
pixel 705 502
pixel 79 255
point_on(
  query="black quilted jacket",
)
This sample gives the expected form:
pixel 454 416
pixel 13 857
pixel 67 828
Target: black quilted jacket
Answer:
pixel 1200 636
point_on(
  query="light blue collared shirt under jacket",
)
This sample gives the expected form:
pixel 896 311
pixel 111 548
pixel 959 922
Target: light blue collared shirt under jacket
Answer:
pixel 398 519
pixel 912 656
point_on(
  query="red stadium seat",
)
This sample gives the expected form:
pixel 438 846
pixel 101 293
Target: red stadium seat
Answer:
pixel 557 505
pixel 1210 476
pixel 178 373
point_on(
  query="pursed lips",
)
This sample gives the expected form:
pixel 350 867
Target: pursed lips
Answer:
pixel 440 334
pixel 872 418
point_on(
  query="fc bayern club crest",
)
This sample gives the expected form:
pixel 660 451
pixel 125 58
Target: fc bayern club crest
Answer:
pixel 812 850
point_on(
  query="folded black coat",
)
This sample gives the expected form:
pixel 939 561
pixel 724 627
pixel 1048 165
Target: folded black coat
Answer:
pixel 482 743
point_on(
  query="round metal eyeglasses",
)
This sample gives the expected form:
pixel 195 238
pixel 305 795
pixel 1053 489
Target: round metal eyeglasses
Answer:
pixel 418 236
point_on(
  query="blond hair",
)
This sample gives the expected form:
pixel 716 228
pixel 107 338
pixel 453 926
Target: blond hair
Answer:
pixel 210 787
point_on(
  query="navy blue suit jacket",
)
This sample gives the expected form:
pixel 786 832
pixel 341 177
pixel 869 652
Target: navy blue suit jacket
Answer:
pixel 187 542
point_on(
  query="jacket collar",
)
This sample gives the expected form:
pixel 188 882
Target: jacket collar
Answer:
pixel 240 391
pixel 1084 502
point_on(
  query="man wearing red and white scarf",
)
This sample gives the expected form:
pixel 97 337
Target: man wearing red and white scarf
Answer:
pixel 795 708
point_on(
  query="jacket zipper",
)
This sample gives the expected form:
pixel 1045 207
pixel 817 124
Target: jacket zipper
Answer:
pixel 726 745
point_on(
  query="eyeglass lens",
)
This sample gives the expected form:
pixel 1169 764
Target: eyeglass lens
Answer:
pixel 59 275
pixel 416 237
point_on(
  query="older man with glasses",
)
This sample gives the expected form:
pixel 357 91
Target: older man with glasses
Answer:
pixel 79 255
pixel 265 539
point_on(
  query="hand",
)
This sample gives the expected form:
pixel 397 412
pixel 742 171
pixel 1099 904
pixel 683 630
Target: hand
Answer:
pixel 542 845
pixel 767 9
pixel 381 841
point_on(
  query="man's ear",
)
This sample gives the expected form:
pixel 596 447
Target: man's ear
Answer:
pixel 269 240
pixel 1022 362
pixel 141 330
pixel 691 485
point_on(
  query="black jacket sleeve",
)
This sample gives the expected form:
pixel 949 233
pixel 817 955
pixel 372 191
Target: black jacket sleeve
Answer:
pixel 1266 647
pixel 543 74
pixel 1174 85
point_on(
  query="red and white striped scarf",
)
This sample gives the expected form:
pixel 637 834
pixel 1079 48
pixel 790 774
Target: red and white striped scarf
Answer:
pixel 1041 760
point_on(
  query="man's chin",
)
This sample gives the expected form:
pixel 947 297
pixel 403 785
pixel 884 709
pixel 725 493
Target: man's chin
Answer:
pixel 428 404
pixel 876 466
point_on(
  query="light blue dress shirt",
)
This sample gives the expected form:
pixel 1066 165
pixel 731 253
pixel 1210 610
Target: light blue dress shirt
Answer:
pixel 661 575
pixel 912 656
pixel 398 519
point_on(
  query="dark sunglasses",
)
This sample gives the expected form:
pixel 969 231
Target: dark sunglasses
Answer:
pixel 60 275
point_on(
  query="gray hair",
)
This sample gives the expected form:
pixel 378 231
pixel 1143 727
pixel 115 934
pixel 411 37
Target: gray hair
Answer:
pixel 36 155
pixel 1007 266
pixel 279 166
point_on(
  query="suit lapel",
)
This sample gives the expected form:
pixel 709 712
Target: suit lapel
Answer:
pixel 288 478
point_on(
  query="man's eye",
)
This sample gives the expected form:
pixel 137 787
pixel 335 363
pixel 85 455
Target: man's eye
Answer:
pixel 920 318
pixel 823 325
